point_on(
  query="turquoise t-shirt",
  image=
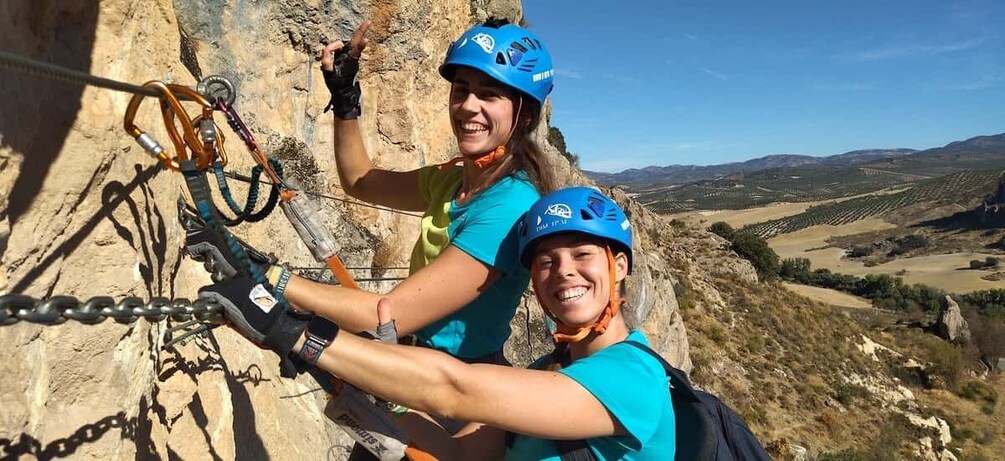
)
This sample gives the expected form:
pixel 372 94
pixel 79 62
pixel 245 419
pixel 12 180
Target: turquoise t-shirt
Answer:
pixel 633 386
pixel 485 229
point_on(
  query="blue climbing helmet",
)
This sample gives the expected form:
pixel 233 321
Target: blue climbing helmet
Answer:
pixel 506 52
pixel 575 209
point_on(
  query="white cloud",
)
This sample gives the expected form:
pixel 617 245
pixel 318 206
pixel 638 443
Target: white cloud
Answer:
pixel 900 50
pixel 843 87
pixel 568 73
pixel 986 81
pixel 715 74
pixel 691 36
pixel 620 78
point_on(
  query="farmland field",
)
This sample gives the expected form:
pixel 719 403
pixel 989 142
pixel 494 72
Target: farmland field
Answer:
pixel 946 188
pixel 948 271
pixel 827 296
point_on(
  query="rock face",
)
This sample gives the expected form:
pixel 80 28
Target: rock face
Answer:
pixel 952 326
pixel 85 212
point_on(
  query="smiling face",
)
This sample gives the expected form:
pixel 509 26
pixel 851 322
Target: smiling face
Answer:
pixel 572 277
pixel 481 111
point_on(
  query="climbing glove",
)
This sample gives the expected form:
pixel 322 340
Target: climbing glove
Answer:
pixel 341 82
pixel 212 248
pixel 255 313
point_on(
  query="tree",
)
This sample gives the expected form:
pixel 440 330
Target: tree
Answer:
pixel 723 230
pixel 756 250
pixel 795 269
pixel 879 286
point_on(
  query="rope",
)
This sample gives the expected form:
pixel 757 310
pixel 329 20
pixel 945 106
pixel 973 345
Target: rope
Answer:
pixel 247 214
pixel 246 179
pixel 45 69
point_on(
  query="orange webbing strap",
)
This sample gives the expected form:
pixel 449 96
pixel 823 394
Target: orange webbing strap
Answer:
pixel 341 273
pixel 416 454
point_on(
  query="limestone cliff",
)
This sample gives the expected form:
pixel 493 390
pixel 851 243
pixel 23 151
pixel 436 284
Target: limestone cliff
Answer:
pixel 86 212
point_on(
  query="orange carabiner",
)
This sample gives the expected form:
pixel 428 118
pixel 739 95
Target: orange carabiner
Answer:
pixel 170 108
pixel 149 144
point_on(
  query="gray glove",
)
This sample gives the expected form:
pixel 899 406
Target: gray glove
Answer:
pixel 210 247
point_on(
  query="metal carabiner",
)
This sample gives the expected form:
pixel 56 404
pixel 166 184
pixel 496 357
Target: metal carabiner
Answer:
pixel 212 137
pixel 170 108
pixel 260 158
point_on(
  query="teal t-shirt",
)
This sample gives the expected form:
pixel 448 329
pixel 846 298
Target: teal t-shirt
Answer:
pixel 485 229
pixel 633 386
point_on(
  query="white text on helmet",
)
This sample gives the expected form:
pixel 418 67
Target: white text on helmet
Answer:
pixel 543 75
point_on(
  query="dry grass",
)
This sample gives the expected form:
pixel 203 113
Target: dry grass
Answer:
pixel 828 296
pixel 778 358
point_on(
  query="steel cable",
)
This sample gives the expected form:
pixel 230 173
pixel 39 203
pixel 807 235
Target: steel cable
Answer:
pixel 247 179
pixel 45 69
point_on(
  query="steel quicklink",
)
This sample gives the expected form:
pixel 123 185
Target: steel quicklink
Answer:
pixel 58 309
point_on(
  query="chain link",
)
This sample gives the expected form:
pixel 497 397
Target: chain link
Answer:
pixel 55 310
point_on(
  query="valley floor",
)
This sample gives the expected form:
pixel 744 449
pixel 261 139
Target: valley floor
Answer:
pixel 949 272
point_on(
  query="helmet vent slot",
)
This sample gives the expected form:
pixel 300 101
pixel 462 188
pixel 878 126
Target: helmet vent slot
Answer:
pixel 518 47
pixel 530 43
pixel 596 206
pixel 501 59
pixel 586 216
pixel 514 55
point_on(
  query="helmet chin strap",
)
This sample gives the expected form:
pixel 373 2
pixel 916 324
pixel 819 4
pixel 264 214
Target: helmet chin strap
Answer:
pixel 488 158
pixel 570 334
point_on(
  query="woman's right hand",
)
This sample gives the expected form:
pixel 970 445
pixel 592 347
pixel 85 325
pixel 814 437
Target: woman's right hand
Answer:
pixel 340 64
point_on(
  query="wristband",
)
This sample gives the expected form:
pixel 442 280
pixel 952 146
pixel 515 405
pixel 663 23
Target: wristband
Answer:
pixel 278 278
pixel 320 333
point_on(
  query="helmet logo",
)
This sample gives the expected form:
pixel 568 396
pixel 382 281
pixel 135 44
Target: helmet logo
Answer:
pixel 559 209
pixel 485 41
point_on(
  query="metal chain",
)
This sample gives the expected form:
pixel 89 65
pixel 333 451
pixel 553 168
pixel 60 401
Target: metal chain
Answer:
pixel 55 310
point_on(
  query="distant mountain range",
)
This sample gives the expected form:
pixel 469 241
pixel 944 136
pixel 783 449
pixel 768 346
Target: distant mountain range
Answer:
pixel 654 176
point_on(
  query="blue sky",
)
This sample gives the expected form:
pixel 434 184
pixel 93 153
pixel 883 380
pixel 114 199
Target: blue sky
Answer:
pixel 668 82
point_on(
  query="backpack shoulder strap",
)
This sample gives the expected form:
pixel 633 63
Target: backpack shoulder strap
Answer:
pixel 681 384
pixel 696 428
pixel 574 450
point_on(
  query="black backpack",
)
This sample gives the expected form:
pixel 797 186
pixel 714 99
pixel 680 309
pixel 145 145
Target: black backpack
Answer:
pixel 707 429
